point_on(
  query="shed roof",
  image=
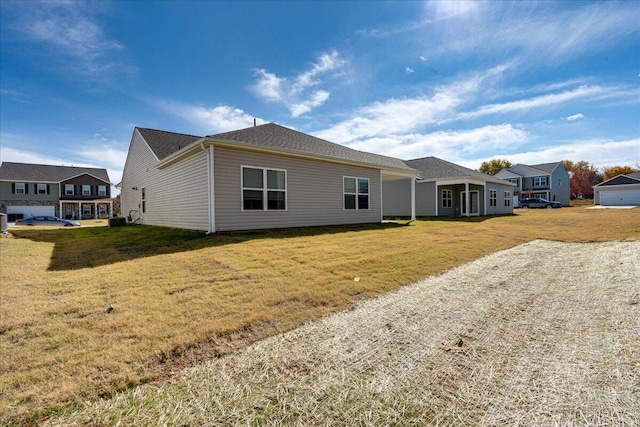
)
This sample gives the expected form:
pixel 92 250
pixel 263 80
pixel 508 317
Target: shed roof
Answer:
pixel 10 171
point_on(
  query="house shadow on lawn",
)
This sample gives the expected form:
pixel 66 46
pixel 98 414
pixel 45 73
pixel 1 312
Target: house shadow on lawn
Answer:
pixel 97 246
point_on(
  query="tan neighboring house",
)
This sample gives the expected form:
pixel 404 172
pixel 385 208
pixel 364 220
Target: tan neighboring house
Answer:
pixel 64 191
pixel 261 177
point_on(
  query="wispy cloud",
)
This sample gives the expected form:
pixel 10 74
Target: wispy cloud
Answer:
pixel 400 116
pixel 583 92
pixel 210 119
pixel 574 117
pixel 409 70
pixel 535 32
pixel 71 36
pixel 299 94
pixel 451 145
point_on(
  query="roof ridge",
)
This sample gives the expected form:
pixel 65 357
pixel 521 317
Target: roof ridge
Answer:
pixel 168 131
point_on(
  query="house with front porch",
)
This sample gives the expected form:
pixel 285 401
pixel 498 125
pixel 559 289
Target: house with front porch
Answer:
pixel 447 189
pixel 546 180
pixel 68 192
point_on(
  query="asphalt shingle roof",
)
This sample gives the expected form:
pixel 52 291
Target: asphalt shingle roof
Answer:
pixel 546 167
pixel 435 168
pixel 10 171
pixel 279 137
pixel 164 143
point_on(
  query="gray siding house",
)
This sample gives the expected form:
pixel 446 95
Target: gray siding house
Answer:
pixel 261 177
pixel 621 190
pixel 447 189
pixel 547 180
pixel 64 191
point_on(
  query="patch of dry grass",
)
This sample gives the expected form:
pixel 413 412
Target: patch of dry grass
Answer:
pixel 180 298
pixel 496 342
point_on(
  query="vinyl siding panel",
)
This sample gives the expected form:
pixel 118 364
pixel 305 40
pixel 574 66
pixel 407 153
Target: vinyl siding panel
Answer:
pixel 314 192
pixel 560 186
pixel 500 209
pixel 396 198
pixel 176 196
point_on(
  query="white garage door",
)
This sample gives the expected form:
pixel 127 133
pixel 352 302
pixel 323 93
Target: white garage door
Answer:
pixel 29 211
pixel 620 198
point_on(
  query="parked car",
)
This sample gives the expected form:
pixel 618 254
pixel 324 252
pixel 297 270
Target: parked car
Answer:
pixel 539 203
pixel 47 220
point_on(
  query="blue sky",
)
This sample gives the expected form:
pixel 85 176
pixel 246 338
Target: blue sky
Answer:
pixel 464 81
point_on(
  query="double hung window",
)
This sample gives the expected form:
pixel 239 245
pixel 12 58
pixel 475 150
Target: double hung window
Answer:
pixel 41 188
pixel 493 198
pixel 447 198
pixel 19 188
pixel 86 190
pixel 69 190
pixel 356 193
pixel 540 181
pixel 507 198
pixel 102 190
pixel 263 189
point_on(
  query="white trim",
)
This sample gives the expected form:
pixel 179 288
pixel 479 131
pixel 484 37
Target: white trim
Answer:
pixel 616 185
pixel 467 201
pixel 413 199
pixel 265 189
pixel 212 190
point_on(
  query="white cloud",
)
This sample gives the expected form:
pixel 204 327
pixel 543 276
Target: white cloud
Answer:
pixel 589 92
pixel 213 119
pixel 540 33
pixel 574 117
pixel 400 116
pixel 299 94
pixel 408 70
pixel 446 144
pixel 423 58
pixel 73 39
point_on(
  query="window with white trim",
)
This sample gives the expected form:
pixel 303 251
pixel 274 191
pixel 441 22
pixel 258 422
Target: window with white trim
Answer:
pixel 19 188
pixel 540 181
pixel 102 190
pixel 447 198
pixel 86 210
pixel 69 190
pixel 507 198
pixel 264 189
pixel 41 188
pixel 493 198
pixel 86 190
pixel 356 193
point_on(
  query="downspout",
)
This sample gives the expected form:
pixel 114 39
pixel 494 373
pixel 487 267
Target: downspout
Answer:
pixel 210 188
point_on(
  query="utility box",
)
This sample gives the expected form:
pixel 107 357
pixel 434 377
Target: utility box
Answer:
pixel 117 222
pixel 3 223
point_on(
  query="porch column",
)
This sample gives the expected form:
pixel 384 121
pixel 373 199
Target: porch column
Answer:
pixel 60 211
pixel 95 210
pixel 467 204
pixel 413 199
pixel 110 208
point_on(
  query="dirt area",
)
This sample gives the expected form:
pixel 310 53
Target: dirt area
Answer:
pixel 545 333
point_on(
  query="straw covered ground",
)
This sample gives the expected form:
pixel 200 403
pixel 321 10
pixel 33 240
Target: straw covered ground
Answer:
pixel 546 333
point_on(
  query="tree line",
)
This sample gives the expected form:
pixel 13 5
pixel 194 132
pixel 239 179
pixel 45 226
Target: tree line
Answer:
pixel 583 175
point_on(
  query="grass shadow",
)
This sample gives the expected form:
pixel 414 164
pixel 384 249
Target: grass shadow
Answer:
pixel 96 246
